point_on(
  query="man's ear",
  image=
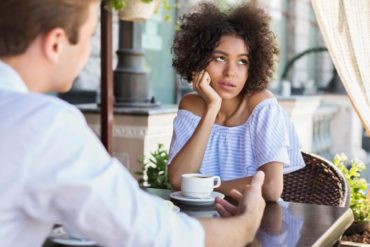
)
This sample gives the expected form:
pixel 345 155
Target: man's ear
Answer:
pixel 54 42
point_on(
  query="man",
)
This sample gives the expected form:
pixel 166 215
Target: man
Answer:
pixel 53 167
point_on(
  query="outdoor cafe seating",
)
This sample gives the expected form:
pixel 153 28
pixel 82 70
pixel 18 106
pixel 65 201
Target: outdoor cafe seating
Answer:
pixel 314 211
pixel 319 182
pixel 315 208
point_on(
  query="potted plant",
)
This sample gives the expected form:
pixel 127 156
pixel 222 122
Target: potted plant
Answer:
pixel 136 10
pixel 359 202
pixel 153 172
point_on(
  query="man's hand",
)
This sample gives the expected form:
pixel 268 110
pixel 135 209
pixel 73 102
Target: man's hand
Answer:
pixel 240 229
pixel 250 202
pixel 226 209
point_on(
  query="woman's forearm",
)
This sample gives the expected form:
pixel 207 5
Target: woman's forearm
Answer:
pixel 271 191
pixel 189 158
pixel 272 186
pixel 238 184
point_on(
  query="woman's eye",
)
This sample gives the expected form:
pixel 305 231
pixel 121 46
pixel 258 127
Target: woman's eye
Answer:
pixel 220 59
pixel 242 62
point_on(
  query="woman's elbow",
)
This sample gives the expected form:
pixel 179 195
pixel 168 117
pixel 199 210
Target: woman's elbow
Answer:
pixel 174 180
pixel 175 184
pixel 272 196
pixel 272 192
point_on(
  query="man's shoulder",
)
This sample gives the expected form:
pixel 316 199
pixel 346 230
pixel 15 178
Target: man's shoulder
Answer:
pixel 50 105
pixel 41 119
pixel 36 109
pixel 50 101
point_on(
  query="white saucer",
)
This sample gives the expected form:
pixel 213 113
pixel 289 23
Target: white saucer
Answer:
pixel 170 204
pixel 177 195
pixel 202 214
pixel 74 242
pixel 176 209
pixel 60 236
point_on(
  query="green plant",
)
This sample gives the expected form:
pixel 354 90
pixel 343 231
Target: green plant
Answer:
pixel 120 5
pixel 359 203
pixel 227 4
pixel 154 169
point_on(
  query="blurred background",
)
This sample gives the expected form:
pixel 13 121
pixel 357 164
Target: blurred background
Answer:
pixel 305 83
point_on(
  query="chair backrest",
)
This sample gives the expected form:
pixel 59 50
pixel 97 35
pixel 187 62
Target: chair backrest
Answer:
pixel 319 182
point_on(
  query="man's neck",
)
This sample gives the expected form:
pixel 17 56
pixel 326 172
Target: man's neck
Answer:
pixel 28 71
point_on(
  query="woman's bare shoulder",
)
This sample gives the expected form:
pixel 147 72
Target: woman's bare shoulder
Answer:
pixel 257 97
pixel 194 103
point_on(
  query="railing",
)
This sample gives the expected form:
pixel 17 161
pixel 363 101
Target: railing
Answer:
pixel 322 139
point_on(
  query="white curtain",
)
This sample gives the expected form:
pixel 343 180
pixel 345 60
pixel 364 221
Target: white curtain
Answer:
pixel 345 26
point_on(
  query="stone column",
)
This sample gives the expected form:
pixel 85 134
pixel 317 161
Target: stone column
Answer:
pixel 346 127
pixel 136 131
pixel 301 110
pixel 131 82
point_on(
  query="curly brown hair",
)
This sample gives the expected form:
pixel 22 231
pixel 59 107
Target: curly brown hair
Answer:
pixel 200 33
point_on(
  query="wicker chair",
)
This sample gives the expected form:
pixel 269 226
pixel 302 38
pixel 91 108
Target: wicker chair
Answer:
pixel 319 182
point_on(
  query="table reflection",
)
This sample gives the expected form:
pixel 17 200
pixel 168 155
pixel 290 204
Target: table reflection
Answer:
pixel 291 224
pixel 284 223
pixel 279 227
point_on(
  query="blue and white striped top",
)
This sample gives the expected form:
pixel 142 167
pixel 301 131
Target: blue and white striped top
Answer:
pixel 235 152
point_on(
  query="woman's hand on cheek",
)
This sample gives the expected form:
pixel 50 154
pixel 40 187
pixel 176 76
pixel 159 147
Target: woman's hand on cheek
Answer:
pixel 201 84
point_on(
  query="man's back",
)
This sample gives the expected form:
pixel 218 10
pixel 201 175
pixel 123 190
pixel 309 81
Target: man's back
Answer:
pixel 28 160
pixel 20 136
pixel 55 170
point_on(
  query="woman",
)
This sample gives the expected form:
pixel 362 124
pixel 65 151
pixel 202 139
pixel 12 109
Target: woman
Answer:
pixel 232 125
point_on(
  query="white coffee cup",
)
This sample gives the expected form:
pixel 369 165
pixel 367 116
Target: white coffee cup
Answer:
pixel 196 185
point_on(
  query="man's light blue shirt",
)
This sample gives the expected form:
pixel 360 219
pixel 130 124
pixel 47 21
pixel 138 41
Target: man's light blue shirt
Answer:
pixel 54 170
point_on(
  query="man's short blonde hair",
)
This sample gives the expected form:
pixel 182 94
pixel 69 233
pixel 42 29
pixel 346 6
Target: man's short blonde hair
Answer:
pixel 21 21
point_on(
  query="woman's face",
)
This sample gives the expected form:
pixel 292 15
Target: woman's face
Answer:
pixel 228 68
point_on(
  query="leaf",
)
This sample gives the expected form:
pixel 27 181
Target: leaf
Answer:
pixel 154 168
pixel 359 203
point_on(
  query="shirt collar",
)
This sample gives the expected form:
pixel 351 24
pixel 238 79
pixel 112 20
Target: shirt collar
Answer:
pixel 10 80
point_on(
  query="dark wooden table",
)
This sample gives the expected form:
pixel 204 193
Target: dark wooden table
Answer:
pixel 284 223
